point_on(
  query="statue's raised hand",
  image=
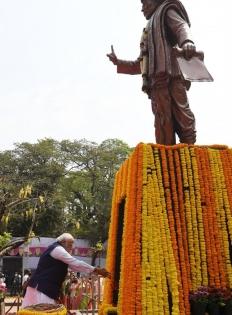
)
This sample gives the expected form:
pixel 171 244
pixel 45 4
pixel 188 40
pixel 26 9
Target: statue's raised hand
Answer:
pixel 112 56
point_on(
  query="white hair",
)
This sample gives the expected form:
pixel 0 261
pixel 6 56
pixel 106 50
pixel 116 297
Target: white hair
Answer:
pixel 65 237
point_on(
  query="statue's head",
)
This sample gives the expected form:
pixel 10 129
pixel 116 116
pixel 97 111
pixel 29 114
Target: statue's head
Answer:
pixel 149 6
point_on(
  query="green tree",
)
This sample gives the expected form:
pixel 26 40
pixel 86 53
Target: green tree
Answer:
pixel 88 184
pixel 37 165
pixel 4 239
pixel 75 179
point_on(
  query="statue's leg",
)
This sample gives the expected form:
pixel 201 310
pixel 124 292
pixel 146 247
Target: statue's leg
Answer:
pixel 184 120
pixel 161 106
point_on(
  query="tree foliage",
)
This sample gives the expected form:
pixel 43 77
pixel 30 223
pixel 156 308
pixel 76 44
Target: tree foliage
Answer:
pixel 74 179
pixel 89 183
pixel 28 165
pixel 4 239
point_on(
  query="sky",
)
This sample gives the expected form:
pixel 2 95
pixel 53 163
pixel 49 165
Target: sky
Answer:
pixel 56 81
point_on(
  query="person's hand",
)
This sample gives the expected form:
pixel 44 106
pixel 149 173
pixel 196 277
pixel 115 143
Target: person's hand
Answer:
pixel 189 50
pixel 102 272
pixel 112 56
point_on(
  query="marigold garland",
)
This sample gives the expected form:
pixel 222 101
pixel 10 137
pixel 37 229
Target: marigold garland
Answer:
pixel 220 211
pixel 206 213
pixel 138 267
pixel 111 255
pixel 177 228
pixel 217 234
pixel 171 269
pixel 188 216
pixel 127 287
pixel 185 309
pixel 181 204
pixel 201 236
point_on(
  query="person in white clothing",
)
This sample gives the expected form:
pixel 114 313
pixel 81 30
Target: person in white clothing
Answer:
pixel 26 277
pixel 45 284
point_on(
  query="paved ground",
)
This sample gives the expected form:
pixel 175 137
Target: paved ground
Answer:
pixel 13 309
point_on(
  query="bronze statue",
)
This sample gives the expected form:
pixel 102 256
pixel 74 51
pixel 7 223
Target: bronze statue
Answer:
pixel 168 27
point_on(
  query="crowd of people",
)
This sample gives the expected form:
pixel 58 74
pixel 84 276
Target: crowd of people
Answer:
pixel 15 283
pixel 81 292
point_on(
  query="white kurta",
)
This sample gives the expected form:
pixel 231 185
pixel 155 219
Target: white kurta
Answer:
pixel 33 296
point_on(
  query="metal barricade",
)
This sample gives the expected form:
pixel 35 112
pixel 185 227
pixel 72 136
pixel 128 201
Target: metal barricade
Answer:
pixel 13 305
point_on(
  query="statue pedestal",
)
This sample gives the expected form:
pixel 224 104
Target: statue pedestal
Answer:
pixel 170 210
